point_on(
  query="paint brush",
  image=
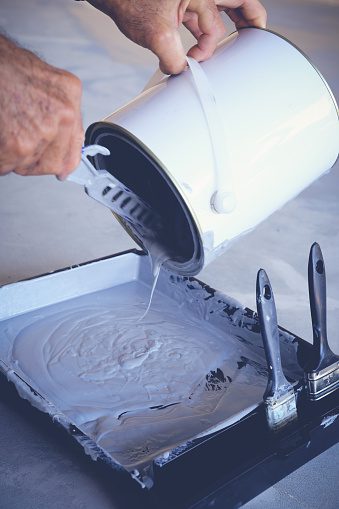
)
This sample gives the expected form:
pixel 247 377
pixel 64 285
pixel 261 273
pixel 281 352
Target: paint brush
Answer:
pixel 279 396
pixel 322 372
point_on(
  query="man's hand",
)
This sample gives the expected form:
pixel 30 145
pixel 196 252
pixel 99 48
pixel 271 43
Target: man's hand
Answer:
pixel 41 128
pixel 154 24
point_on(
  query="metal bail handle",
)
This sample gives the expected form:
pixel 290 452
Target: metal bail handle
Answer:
pixel 223 200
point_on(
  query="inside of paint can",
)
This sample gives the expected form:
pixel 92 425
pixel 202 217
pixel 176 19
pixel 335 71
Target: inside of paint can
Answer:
pixel 139 170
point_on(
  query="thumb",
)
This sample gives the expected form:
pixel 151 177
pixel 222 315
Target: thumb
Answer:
pixel 167 45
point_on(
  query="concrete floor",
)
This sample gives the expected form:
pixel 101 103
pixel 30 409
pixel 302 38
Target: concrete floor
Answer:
pixel 46 225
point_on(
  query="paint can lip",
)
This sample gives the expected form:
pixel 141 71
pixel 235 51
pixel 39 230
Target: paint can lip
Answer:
pixel 189 267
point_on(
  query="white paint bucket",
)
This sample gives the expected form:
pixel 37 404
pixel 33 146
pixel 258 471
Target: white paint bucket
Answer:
pixel 223 145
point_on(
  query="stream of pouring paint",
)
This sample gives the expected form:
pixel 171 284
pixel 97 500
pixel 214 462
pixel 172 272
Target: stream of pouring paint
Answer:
pixel 158 256
pixel 149 229
pixel 157 260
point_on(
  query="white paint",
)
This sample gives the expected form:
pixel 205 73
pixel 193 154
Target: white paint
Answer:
pixel 157 256
pixel 328 420
pixel 156 272
pixel 104 370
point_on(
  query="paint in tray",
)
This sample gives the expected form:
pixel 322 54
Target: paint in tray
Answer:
pixel 136 388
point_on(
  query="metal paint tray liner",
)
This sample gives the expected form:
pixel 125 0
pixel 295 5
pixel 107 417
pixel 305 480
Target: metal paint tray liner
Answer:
pixel 162 425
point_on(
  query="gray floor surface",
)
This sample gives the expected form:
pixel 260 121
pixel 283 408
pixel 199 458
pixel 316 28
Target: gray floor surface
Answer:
pixel 46 225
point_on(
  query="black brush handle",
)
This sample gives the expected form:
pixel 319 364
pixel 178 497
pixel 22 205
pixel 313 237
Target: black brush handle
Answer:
pixel 322 354
pixel 277 384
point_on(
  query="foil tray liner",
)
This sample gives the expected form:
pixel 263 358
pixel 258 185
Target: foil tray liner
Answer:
pixel 135 393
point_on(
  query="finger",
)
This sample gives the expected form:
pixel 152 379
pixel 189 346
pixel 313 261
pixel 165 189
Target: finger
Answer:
pixel 5 170
pixel 244 13
pixel 167 45
pixel 22 154
pixel 53 160
pixel 59 158
pixel 73 154
pixel 190 21
pixel 212 30
pixel 25 171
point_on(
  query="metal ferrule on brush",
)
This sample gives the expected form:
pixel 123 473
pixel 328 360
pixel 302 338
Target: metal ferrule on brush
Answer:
pixel 281 410
pixel 323 382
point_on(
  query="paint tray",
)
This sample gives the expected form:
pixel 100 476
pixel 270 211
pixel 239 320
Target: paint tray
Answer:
pixel 191 375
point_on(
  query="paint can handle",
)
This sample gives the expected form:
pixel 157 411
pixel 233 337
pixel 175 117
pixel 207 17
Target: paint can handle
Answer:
pixel 223 199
